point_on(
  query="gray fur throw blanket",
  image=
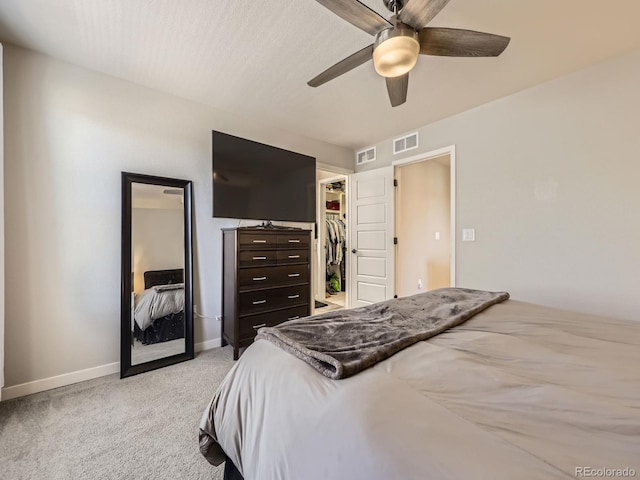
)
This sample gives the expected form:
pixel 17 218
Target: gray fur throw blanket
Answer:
pixel 342 343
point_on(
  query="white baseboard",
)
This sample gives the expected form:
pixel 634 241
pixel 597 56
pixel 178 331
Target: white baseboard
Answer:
pixel 208 345
pixel 59 381
pixel 36 386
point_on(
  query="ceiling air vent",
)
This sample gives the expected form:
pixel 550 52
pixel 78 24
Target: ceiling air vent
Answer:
pixel 365 156
pixel 408 142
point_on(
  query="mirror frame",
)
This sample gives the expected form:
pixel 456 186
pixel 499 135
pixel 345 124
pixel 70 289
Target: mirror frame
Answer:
pixel 126 369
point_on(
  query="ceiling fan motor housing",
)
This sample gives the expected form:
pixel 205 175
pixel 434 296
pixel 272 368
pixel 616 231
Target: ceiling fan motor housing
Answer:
pixel 393 5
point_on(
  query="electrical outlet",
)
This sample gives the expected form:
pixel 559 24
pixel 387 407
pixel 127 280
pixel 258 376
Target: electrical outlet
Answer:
pixel 419 284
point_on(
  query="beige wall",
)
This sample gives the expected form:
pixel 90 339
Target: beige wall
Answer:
pixel 2 271
pixel 157 236
pixel 69 134
pixel 423 208
pixel 549 178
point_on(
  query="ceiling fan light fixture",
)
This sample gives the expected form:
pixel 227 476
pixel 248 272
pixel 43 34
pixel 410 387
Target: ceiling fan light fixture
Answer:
pixel 396 51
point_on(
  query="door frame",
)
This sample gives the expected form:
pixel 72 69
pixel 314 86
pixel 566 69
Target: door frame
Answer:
pixel 340 174
pixel 423 157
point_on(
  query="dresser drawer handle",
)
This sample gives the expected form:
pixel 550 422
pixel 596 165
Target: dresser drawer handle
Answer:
pixel 259 241
pixel 294 318
pixel 258 279
pixel 291 297
pixel 294 256
pixel 259 302
pixel 255 327
pixel 292 275
pixel 294 241
pixel 259 258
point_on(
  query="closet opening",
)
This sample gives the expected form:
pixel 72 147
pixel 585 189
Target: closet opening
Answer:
pixel 331 282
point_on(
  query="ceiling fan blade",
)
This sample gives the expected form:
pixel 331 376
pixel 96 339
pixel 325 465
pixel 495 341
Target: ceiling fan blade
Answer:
pixel 453 42
pixel 397 88
pixel 418 13
pixel 343 66
pixel 357 14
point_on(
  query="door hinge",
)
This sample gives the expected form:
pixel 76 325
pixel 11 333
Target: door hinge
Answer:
pixel 395 240
pixel 395 182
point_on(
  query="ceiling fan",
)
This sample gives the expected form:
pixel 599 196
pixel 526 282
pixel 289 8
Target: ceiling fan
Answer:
pixel 399 41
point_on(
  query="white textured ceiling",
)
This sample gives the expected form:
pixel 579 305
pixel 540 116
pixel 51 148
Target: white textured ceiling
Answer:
pixel 254 57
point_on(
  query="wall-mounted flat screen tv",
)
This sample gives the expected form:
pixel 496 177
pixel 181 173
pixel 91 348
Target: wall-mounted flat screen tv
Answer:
pixel 255 181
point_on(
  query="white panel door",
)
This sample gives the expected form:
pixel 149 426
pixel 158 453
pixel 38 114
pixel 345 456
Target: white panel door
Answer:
pixel 371 249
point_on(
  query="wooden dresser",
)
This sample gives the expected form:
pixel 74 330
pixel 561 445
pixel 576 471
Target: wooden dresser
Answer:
pixel 266 281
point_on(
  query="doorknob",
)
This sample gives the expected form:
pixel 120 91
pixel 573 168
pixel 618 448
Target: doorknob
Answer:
pixel 354 251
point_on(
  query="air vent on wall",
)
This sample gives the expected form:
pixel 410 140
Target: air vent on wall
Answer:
pixel 408 142
pixel 365 156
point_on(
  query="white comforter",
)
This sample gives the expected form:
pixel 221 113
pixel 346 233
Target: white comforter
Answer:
pixel 156 302
pixel 518 392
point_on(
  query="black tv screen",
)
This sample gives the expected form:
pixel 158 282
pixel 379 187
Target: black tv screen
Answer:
pixel 260 182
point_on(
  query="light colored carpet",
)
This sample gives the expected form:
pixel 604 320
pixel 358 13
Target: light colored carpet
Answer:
pixel 142 427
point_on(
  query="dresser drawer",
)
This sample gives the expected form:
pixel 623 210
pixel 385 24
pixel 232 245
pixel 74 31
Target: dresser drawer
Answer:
pixel 257 241
pixel 293 240
pixel 259 277
pixel 292 256
pixel 270 299
pixel 289 274
pixel 296 295
pixel 257 301
pixel 262 277
pixel 249 325
pixel 257 258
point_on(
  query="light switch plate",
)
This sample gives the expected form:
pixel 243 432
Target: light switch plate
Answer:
pixel 468 234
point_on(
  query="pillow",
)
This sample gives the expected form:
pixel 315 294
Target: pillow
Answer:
pixel 165 288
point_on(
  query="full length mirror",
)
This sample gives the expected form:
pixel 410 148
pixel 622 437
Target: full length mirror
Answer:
pixel 157 307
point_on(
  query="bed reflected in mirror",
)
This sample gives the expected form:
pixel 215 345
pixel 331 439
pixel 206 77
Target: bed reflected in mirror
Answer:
pixel 158 328
pixel 157 242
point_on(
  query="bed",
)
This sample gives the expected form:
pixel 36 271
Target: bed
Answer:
pixel 519 391
pixel 159 309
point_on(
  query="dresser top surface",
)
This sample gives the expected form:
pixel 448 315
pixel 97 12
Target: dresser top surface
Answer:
pixel 272 231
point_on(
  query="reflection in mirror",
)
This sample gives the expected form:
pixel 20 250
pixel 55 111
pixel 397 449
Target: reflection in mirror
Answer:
pixel 157 310
pixel 157 237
